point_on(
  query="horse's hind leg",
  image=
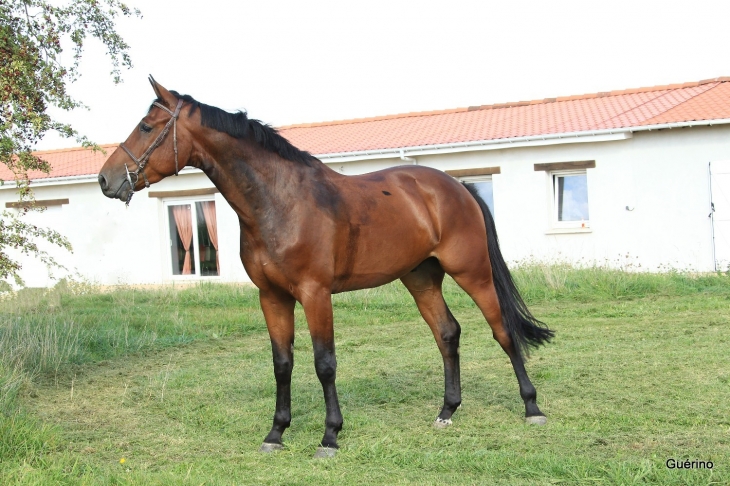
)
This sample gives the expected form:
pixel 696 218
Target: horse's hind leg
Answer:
pixel 424 284
pixel 477 282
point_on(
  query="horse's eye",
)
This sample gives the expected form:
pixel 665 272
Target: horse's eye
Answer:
pixel 145 128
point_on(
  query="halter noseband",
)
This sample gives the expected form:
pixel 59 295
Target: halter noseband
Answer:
pixel 145 157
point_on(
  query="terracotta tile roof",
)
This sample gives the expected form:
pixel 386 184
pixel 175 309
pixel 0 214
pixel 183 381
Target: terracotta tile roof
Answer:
pixel 67 162
pixel 704 100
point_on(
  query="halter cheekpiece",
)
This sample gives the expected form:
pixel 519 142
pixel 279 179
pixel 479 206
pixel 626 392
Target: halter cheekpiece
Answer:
pixel 145 157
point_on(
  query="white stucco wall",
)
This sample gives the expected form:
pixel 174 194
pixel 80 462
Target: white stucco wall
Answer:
pixel 114 244
pixel 663 175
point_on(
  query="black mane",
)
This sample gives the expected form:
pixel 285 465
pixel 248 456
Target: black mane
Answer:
pixel 238 125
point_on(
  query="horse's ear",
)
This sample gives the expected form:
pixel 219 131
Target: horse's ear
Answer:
pixel 162 94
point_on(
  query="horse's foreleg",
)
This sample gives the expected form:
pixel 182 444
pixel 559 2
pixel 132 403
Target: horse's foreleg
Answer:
pixel 279 314
pixel 424 284
pixel 318 310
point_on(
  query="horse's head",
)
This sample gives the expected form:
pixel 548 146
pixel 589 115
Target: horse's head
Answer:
pixel 151 152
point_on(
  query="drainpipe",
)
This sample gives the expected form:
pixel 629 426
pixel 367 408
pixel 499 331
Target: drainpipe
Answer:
pixel 407 159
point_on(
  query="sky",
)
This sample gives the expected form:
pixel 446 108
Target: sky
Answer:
pixel 289 61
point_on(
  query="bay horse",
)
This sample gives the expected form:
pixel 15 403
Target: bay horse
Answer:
pixel 308 232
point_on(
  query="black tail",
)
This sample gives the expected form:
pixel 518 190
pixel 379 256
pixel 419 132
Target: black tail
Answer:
pixel 524 329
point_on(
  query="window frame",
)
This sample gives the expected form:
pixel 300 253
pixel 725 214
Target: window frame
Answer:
pixel 189 201
pixel 555 223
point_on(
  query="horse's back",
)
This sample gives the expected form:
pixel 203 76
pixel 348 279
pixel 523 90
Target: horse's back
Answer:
pixel 420 195
pixel 404 174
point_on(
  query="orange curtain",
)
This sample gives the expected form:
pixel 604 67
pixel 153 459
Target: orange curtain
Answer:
pixel 212 223
pixel 184 223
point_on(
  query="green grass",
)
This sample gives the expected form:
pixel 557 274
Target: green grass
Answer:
pixel 180 384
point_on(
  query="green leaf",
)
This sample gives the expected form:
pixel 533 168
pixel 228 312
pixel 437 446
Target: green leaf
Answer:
pixel 34 77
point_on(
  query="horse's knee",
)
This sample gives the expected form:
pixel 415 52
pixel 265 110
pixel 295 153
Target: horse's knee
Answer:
pixel 283 369
pixel 325 364
pixel 450 339
pixel 450 334
pixel 283 365
pixel 326 372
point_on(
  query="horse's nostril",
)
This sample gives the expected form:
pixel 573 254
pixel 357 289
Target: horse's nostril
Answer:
pixel 102 181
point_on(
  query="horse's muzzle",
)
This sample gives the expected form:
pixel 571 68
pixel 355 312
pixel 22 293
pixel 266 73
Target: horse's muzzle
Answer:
pixel 103 183
pixel 113 192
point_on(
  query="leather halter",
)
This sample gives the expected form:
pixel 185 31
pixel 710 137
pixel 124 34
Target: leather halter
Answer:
pixel 145 157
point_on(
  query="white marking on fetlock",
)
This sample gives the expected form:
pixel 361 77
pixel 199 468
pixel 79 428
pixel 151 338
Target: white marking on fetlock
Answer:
pixel 536 420
pixel 325 452
pixel 266 447
pixel 440 423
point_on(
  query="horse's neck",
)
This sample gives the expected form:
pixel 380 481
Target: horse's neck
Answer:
pixel 260 185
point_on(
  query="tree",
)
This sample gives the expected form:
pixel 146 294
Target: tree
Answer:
pixel 34 77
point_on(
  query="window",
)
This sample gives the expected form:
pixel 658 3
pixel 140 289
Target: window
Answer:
pixel 484 187
pixel 570 198
pixel 481 178
pixel 193 230
pixel 568 189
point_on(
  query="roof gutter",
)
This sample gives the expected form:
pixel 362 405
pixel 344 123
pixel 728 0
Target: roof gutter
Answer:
pixel 407 159
pixel 605 135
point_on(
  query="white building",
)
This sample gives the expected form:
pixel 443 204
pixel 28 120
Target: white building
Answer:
pixel 624 177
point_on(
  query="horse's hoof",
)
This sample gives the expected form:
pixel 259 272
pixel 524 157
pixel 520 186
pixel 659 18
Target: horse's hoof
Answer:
pixel 268 448
pixel 325 452
pixel 536 420
pixel 440 423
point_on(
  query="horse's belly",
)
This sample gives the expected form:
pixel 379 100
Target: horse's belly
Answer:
pixel 381 259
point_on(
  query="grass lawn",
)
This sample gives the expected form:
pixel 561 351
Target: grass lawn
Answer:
pixel 179 384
